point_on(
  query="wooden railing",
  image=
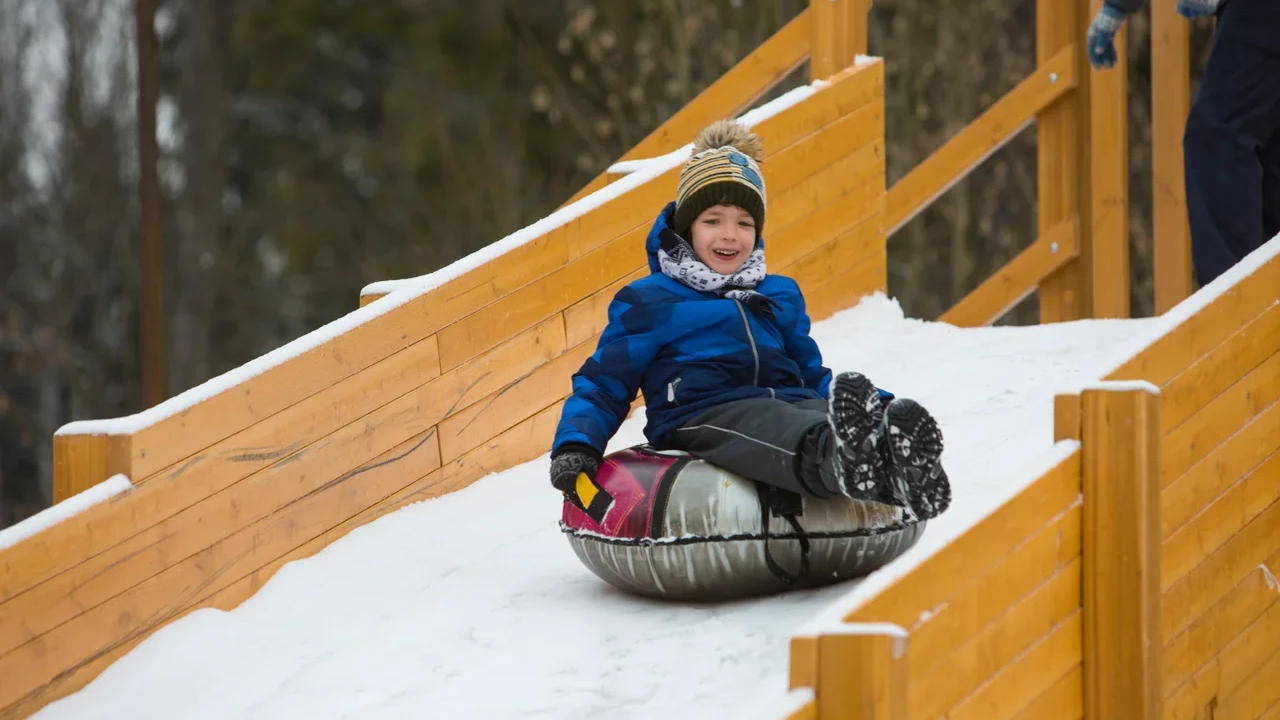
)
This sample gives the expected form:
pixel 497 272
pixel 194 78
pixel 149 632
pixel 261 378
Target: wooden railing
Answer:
pixel 735 91
pixel 1134 577
pixel 427 390
pixel 1082 148
pixel 409 397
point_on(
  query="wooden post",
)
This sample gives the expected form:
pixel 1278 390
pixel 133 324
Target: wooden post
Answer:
pixel 837 32
pixel 1063 164
pixel 79 463
pixel 1170 106
pixel 1066 417
pixel 824 38
pixel 862 673
pixel 855 29
pixel 1109 183
pixel 804 662
pixel 1121 549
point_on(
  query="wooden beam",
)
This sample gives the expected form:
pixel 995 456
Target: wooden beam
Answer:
pixel 1066 417
pixel 803 669
pixel 826 38
pixel 735 91
pixel 1170 105
pixel 855 28
pixel 981 138
pixel 1109 186
pixel 1062 147
pixel 79 463
pixel 1017 279
pixel 1121 547
pixel 862 673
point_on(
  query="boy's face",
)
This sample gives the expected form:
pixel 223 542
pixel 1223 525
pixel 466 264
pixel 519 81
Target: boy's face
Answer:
pixel 723 237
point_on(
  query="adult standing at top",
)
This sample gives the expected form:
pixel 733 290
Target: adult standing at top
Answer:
pixel 1231 145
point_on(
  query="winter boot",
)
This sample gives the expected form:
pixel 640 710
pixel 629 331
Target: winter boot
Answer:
pixel 856 417
pixel 914 444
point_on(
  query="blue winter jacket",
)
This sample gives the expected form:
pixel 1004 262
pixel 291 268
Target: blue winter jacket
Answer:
pixel 688 351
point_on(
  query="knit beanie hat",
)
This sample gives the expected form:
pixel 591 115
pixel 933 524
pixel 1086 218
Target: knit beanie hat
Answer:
pixel 723 170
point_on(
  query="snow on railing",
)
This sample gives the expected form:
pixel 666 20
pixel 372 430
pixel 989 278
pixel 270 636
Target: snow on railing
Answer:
pixel 64 510
pixel 638 171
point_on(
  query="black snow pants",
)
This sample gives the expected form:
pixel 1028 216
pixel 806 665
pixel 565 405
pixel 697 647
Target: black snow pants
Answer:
pixel 1231 144
pixel 774 442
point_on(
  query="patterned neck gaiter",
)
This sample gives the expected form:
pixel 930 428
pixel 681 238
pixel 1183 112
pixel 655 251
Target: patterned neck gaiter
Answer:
pixel 680 263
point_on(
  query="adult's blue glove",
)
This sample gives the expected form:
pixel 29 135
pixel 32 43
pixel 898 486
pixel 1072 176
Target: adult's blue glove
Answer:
pixel 1194 9
pixel 1100 42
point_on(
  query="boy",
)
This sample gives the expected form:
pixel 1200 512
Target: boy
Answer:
pixel 730 374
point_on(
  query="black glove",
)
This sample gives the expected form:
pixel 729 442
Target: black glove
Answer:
pixel 570 460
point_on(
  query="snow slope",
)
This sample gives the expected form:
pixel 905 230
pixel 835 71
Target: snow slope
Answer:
pixel 422 615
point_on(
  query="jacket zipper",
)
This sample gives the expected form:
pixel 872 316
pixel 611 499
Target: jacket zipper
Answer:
pixel 751 340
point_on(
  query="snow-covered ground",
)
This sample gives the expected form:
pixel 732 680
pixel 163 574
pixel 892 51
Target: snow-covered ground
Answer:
pixel 422 614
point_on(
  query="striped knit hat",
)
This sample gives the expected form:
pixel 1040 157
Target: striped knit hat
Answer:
pixel 723 170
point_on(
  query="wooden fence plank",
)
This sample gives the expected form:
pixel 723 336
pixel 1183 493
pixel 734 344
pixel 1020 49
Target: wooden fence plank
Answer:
pixel 841 137
pixel 1109 186
pixel 1218 522
pixel 862 673
pixel 1208 582
pixel 979 139
pixel 848 249
pixel 828 185
pixel 77 459
pixel 995 646
pixel 988 596
pixel 521 443
pixel 1121 547
pixel 1028 677
pixel 185 584
pixel 866 277
pixel 979 548
pixel 1170 106
pixel 1062 164
pixel 1194 337
pixel 1019 278
pixel 1251 451
pixel 169 441
pixel 475 425
pixel 1194 439
pixel 1259 692
pixel 1192 664
pixel 1211 376
pixel 101 529
pixel 1063 701
pixel 588 317
pixel 579 279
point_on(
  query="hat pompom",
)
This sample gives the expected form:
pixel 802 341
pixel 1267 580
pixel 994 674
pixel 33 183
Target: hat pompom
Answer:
pixel 730 133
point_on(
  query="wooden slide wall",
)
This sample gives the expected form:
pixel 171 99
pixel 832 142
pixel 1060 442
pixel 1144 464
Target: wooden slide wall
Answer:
pixel 1017 619
pixel 462 381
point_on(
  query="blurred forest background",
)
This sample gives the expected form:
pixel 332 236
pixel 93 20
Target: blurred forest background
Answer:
pixel 309 147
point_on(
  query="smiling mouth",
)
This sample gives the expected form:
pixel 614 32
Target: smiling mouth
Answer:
pixel 726 253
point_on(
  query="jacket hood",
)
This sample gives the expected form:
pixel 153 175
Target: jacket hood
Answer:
pixel 665 221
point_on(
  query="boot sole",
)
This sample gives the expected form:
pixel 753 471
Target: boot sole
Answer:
pixel 915 444
pixel 855 415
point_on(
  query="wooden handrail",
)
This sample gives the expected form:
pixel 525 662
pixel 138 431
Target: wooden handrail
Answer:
pixel 952 162
pixel 1018 278
pixel 736 90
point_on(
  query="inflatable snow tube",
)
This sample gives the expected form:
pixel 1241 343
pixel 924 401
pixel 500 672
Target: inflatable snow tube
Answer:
pixel 664 524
